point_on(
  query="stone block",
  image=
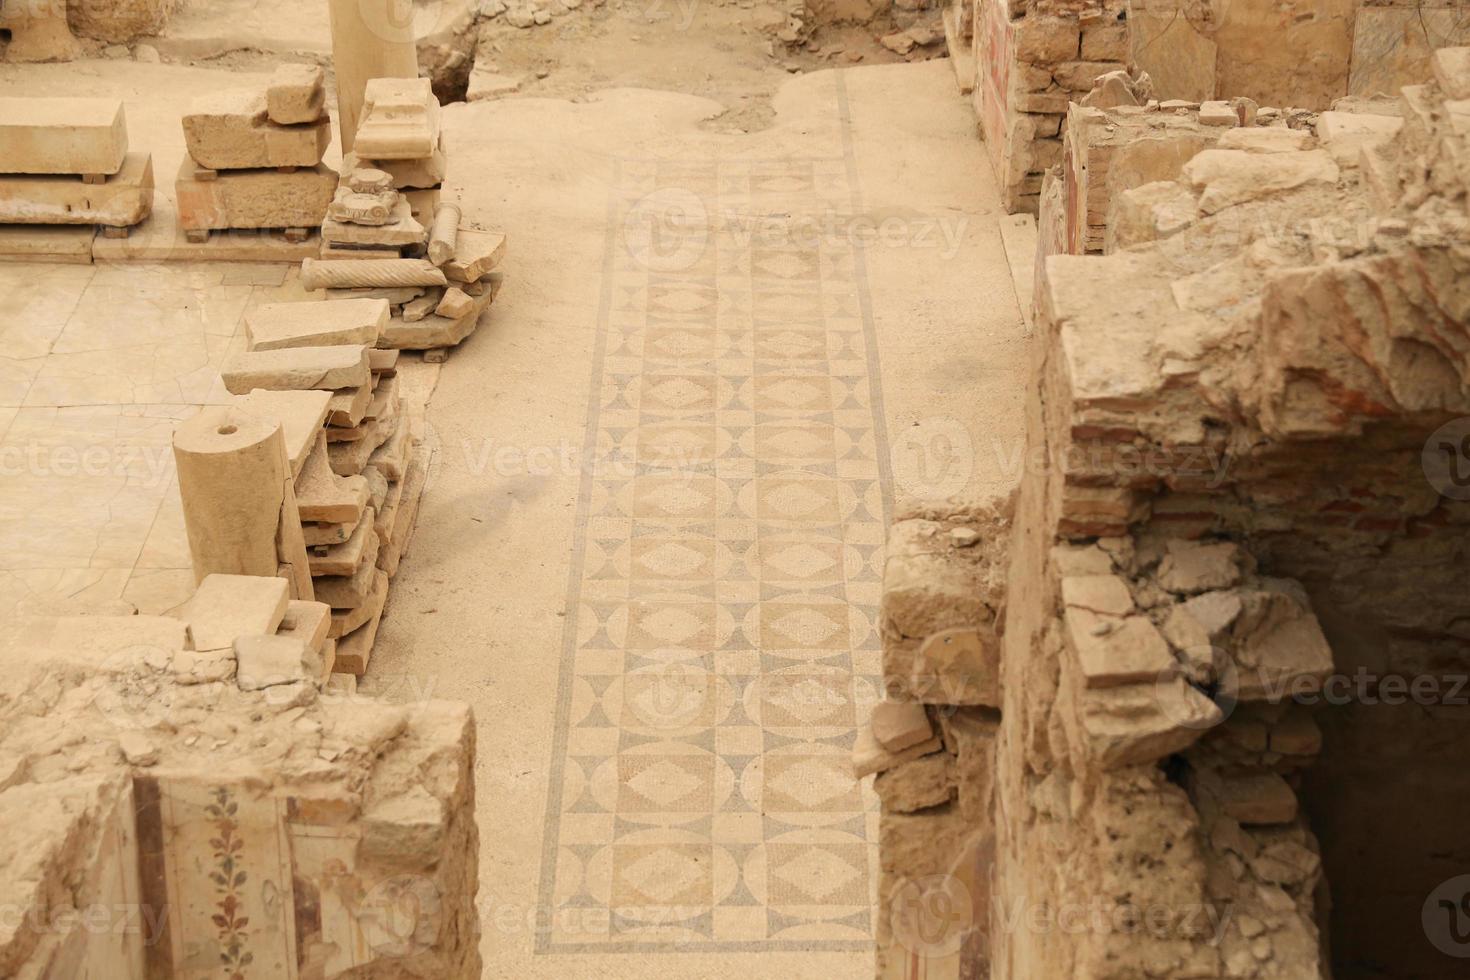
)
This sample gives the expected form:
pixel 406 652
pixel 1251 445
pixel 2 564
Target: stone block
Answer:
pixel 1179 59
pixel 1227 178
pixel 1106 595
pixel 409 827
pixel 56 244
pixel 345 621
pixel 869 756
pixel 1105 39
pixel 227 607
pixel 1191 567
pixel 437 331
pixel 399 231
pixel 1393 45
pixel 926 587
pixel 253 198
pixel 62 136
pixel 281 325
pixel 898 725
pixel 233 131
pixel 1276 643
pixel 1452 71
pixel 296 94
pixel 1049 40
pixel 400 120
pixel 1346 134
pixel 476 253
pixel 404 511
pixel 1141 723
pixel 324 497
pixel 958 666
pixel 348 591
pixel 1253 799
pixel 1114 652
pixel 307 622
pixel 346 558
pixel 424 173
pixel 918 784
pixel 297 368
pixel 122 200
pixel 270 661
pixel 301 415
pixel 349 406
pixel 455 304
pixel 1286 52
pixel 1217 113
pixel 355 650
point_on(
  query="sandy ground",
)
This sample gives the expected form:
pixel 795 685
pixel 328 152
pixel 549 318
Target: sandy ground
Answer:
pixel 827 228
pixel 480 608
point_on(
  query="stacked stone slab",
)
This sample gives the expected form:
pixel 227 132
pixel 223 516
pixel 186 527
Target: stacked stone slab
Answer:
pixel 1032 59
pixel 183 784
pixel 255 158
pixel 390 235
pixel 65 161
pixel 400 136
pixel 1242 413
pixel 354 469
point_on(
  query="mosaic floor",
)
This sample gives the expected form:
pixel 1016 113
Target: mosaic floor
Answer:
pixel 726 579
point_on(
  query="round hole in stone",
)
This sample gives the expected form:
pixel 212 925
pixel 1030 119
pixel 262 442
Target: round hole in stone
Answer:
pixel 228 430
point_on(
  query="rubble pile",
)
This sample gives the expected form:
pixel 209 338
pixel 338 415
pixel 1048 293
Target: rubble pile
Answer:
pixel 389 234
pixel 182 791
pixel 1030 59
pixel 1248 496
pixel 255 158
pixel 314 391
pixel 66 161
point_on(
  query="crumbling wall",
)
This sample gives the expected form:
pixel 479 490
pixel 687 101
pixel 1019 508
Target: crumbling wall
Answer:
pixel 174 811
pixel 118 21
pixel 1245 491
pixel 1032 59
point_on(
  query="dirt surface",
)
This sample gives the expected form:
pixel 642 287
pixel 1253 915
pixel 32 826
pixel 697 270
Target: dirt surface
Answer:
pixel 724 50
pixel 734 52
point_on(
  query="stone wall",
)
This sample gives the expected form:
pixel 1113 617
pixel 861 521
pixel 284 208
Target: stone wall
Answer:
pixel 1032 59
pixel 1304 53
pixel 1244 519
pixel 1035 57
pixel 173 811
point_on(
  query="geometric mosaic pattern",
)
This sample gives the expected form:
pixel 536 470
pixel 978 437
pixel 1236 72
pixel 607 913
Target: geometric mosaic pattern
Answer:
pixel 722 613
